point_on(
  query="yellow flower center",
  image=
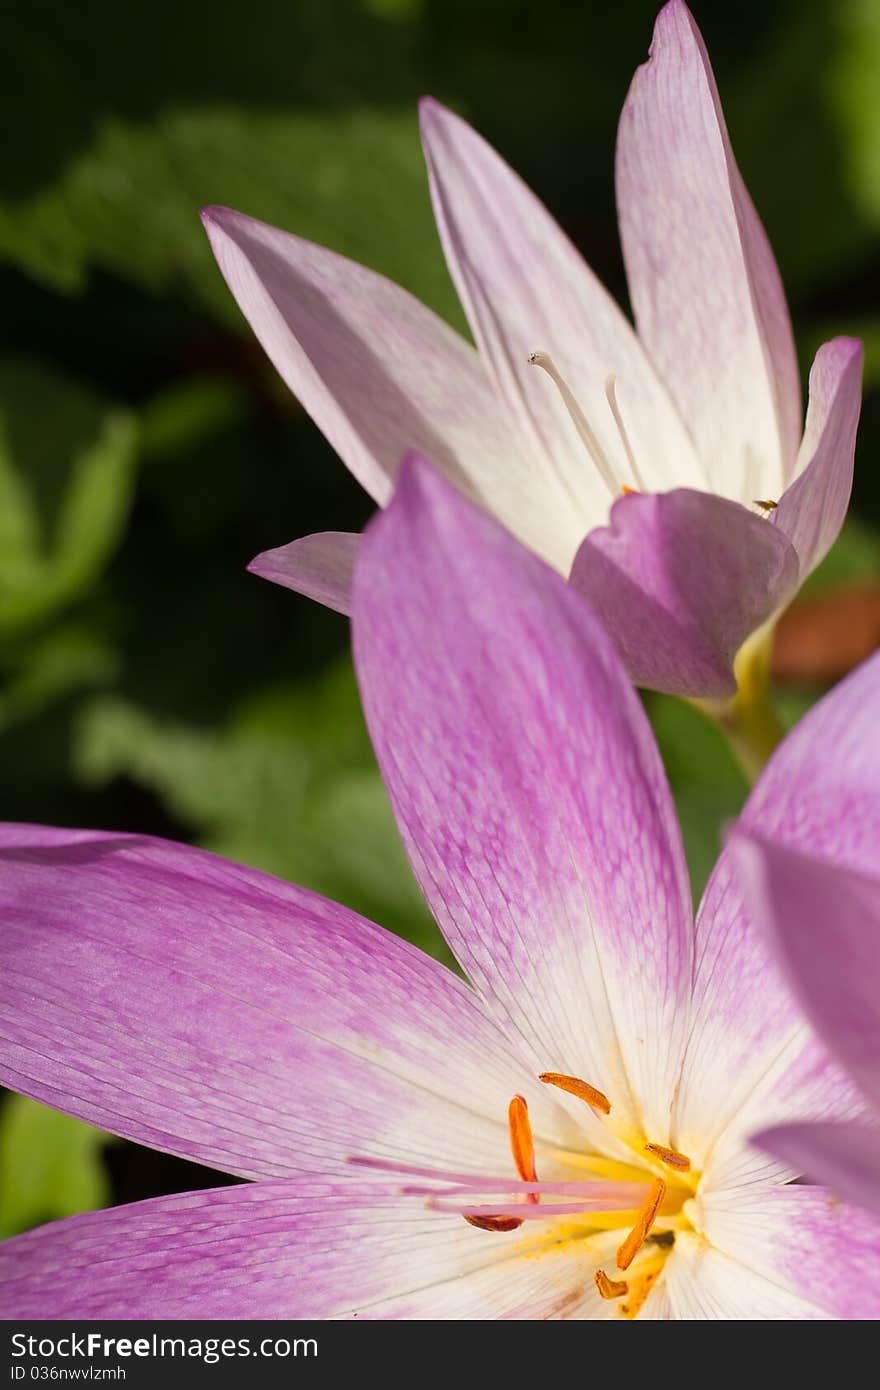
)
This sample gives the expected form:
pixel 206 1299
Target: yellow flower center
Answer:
pixel 660 1172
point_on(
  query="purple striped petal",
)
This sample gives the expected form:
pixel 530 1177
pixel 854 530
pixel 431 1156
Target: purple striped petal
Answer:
pixel 525 288
pixel 679 580
pixel 306 1249
pixel 530 795
pixel 379 373
pixel 812 510
pixel 818 795
pixel 704 286
pixel 805 1243
pixel 825 926
pixel 845 1158
pixel 217 1013
pixel 319 566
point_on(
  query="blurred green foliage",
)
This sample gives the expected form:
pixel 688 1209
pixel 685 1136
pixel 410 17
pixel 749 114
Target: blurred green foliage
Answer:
pixel 49 1166
pixel 147 450
pixel 287 783
pixel 66 481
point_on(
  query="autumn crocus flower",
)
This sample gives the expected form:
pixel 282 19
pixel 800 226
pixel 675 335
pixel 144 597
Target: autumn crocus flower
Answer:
pixel 823 911
pixel 668 470
pixel 565 1135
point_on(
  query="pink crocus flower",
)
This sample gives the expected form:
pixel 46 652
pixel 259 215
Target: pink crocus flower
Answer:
pixel 565 1134
pixel 824 916
pixel 668 470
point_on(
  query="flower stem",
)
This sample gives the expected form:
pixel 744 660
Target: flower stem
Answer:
pixel 748 719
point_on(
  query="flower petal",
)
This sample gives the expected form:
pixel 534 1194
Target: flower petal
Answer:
pixel 530 795
pixel 305 1249
pixel 703 282
pixel 703 1284
pixel 803 1241
pixel 752 1060
pixel 825 926
pixel 525 288
pixel 812 509
pixel 845 1158
pixel 680 580
pixel 379 373
pixel 820 792
pixel 319 566
pixel 217 1013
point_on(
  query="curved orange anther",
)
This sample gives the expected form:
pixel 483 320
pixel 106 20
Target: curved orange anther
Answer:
pixel 671 1157
pixel 610 1288
pixel 522 1145
pixel 575 1087
pixel 647 1216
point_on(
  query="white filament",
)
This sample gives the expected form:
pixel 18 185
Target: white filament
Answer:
pixel 611 397
pixel 578 419
pixel 585 431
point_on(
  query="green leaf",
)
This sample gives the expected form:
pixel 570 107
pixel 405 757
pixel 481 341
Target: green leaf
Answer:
pixel 42 670
pixel 855 88
pixel 191 411
pixel 288 785
pixel 66 482
pixel 130 202
pixel 50 1165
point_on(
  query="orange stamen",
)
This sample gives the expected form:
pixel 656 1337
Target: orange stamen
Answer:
pixel 647 1216
pixel 575 1087
pixel 610 1288
pixel 628 490
pixel 494 1223
pixel 671 1157
pixel 522 1145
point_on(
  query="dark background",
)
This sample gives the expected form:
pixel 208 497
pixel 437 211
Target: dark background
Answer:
pixel 147 449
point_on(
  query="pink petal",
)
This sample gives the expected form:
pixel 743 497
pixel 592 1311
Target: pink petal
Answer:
pixel 217 1013
pixel 845 1158
pixel 701 1283
pixel 752 1059
pixel 319 566
pixel 524 288
pixel 812 509
pixel 825 926
pixel 379 373
pixel 805 1243
pixel 529 793
pixel 680 580
pixel 305 1249
pixel 707 296
pixel 820 793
